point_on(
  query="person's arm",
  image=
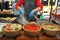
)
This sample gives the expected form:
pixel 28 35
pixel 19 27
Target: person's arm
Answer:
pixel 10 2
pixel 38 6
pixel 19 3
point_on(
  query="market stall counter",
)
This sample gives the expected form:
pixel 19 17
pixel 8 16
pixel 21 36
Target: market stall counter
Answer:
pixel 24 37
pixel 10 32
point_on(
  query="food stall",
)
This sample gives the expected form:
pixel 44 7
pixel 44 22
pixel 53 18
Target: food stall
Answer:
pixel 56 13
pixel 31 31
pixel 12 30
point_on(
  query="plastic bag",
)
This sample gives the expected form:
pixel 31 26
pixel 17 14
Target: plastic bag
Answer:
pixel 21 19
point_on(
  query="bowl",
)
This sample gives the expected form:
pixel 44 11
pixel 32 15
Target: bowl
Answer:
pixel 30 30
pixel 50 29
pixel 11 33
pixel 58 36
pixel 1 33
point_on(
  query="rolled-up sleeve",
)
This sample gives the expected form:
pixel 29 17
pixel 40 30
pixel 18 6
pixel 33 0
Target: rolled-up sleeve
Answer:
pixel 39 4
pixel 19 3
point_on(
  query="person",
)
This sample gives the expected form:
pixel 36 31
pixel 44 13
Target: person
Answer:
pixel 30 9
pixel 1 5
pixel 6 4
pixel 16 12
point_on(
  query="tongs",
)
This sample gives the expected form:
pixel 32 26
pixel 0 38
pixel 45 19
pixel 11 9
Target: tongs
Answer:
pixel 35 17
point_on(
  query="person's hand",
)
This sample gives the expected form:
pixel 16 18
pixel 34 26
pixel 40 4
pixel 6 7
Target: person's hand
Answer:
pixel 31 14
pixel 21 10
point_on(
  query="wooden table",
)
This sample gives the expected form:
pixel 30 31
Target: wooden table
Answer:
pixel 42 36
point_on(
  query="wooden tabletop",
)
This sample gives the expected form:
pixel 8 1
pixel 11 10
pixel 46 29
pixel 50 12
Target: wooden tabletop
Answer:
pixel 42 36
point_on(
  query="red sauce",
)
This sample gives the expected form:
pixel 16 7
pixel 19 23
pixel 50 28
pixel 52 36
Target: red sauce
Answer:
pixel 32 27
